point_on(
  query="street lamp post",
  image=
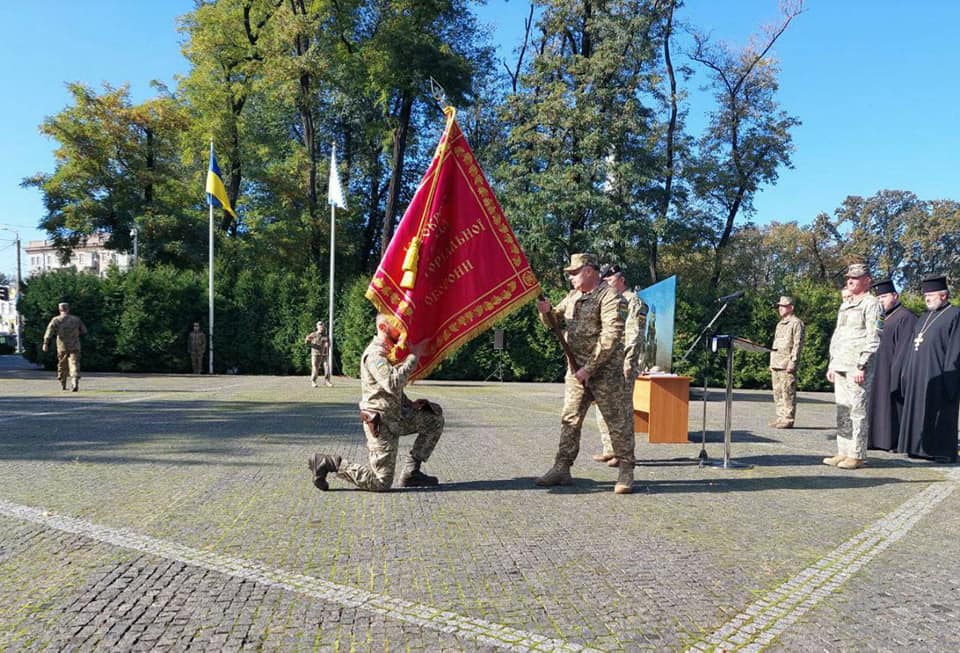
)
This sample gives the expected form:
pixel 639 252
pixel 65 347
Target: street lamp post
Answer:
pixel 133 234
pixel 15 309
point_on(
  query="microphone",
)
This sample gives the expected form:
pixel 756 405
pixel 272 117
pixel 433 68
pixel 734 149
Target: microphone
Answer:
pixel 726 299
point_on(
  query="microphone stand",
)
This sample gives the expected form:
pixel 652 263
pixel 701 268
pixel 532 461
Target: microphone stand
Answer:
pixel 702 456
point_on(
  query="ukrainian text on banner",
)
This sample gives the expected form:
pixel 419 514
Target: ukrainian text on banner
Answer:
pixel 454 266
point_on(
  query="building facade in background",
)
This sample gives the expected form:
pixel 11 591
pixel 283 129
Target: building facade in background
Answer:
pixel 91 256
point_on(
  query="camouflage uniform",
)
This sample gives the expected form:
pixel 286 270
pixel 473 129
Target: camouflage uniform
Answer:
pixel 595 333
pixel 852 347
pixel 319 349
pixel 635 349
pixel 787 342
pixel 196 346
pixel 382 393
pixel 67 329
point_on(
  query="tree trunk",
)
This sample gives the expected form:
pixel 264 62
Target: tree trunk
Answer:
pixel 661 219
pixel 396 175
pixel 373 214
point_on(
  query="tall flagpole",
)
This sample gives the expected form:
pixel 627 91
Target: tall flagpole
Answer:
pixel 210 279
pixel 333 240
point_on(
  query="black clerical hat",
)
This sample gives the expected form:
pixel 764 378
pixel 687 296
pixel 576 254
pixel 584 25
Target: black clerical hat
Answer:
pixel 933 284
pixel 884 287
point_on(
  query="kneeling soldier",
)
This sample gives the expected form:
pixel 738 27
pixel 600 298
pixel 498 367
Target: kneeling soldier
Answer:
pixel 387 413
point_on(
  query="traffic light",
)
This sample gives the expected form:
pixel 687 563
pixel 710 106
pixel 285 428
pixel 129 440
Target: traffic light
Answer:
pixel 4 293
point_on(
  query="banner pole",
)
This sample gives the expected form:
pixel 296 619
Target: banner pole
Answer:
pixel 333 227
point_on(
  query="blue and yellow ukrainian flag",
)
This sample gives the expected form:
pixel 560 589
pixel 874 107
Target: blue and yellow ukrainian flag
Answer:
pixel 216 191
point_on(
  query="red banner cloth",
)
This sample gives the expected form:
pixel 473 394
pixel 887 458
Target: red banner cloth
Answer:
pixel 471 271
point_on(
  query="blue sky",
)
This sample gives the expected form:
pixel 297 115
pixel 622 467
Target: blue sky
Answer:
pixel 873 82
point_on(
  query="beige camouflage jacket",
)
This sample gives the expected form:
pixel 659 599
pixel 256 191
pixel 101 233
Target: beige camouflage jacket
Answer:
pixel 318 343
pixel 381 384
pixel 67 329
pixel 634 333
pixel 787 343
pixel 857 336
pixel 594 322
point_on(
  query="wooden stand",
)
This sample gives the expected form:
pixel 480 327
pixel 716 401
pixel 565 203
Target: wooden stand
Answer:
pixel 660 407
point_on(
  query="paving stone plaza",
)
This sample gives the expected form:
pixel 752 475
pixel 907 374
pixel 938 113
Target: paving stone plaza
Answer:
pixel 174 513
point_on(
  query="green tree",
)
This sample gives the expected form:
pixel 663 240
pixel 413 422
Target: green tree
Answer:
pixel 578 174
pixel 117 167
pixel 748 138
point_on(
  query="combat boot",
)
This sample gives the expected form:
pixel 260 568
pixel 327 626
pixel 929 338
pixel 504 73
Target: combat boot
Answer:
pixel 559 474
pixel 411 476
pixel 852 463
pixel 834 461
pixel 321 465
pixel 63 383
pixel 625 480
pixel 76 384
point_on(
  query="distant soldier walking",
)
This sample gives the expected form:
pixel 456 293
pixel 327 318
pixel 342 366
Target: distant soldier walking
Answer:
pixel 319 345
pixel 386 413
pixel 594 315
pixel 787 343
pixel 852 361
pixel 197 347
pixel 67 329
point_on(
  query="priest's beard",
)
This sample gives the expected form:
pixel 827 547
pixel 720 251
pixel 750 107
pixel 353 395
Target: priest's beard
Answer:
pixel 934 303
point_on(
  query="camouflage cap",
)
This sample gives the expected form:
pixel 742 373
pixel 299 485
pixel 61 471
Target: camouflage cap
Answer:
pixel 785 300
pixel 856 270
pixel 577 261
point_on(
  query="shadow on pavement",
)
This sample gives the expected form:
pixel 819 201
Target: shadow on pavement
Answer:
pixel 727 484
pixel 191 432
pixel 580 485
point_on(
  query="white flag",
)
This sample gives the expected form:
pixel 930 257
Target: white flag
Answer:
pixel 334 189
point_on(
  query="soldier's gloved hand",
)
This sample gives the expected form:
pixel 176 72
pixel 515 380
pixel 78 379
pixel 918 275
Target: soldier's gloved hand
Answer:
pixel 582 375
pixel 419 348
pixel 544 306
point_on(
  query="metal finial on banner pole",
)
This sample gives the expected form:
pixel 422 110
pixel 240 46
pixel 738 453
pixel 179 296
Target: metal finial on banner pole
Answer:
pixel 437 93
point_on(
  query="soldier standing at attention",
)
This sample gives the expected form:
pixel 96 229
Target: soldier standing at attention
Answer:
pixel 67 329
pixel 319 348
pixel 386 413
pixel 852 360
pixel 594 315
pixel 197 346
pixel 787 342
pixel 634 352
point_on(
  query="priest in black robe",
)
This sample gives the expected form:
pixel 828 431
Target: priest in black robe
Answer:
pixel 884 406
pixel 930 379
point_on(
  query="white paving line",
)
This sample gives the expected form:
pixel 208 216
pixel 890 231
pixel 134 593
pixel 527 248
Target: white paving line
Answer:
pixel 422 615
pixel 764 620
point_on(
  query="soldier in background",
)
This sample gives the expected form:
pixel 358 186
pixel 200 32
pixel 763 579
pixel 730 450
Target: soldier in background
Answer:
pixel 197 347
pixel 387 413
pixel 319 345
pixel 787 343
pixel 67 329
pixel 852 361
pixel 594 316
pixel 884 404
pixel 634 352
